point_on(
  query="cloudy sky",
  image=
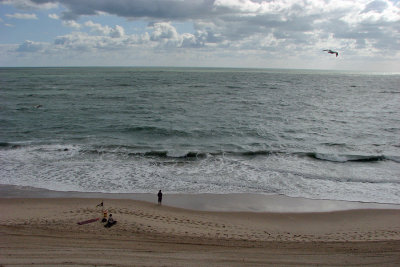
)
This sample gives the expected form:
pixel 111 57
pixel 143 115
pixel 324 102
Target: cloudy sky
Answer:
pixel 202 33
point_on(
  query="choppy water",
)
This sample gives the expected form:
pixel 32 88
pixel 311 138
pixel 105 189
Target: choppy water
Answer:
pixel 298 133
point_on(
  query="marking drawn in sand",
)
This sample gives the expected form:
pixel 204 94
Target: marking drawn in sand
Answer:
pixel 88 221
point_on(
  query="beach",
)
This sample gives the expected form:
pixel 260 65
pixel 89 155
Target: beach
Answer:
pixel 45 232
pixel 259 167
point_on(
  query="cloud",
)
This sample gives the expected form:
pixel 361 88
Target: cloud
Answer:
pixel 21 16
pixel 67 23
pixel 164 32
pixel 160 9
pixel 160 35
pixel 376 6
pixel 228 21
pixel 105 38
pixel 30 5
pixel 77 41
pixel 271 27
pixel 30 46
pixel 165 35
pixel 97 27
pixel 54 16
pixel 116 32
pixel 71 23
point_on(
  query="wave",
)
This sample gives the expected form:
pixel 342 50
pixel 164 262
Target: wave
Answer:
pixel 393 158
pixel 143 151
pixel 150 154
pixel 124 84
pixel 390 92
pixel 257 153
pixel 198 86
pixel 151 131
pixel 201 155
pixel 310 176
pixel 156 131
pixel 9 145
pixel 165 154
pixel 347 158
pixel 233 87
pixel 339 158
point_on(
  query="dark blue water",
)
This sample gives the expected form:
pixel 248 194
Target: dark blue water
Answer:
pixel 299 133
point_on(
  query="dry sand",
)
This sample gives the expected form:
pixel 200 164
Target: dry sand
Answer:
pixel 44 232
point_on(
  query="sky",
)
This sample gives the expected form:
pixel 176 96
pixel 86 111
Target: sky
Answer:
pixel 202 33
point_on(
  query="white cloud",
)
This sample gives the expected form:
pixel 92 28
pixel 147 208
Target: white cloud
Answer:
pixel 98 28
pixel 164 31
pixel 71 23
pixel 107 39
pixel 373 12
pixel 77 41
pixel 54 16
pixel 21 16
pixel 165 35
pixel 161 35
pixel 190 40
pixel 30 46
pixel 116 32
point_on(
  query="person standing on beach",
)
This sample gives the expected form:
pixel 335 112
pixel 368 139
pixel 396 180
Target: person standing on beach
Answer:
pixel 159 197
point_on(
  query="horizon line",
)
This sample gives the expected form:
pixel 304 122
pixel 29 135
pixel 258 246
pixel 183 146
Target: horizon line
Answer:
pixel 206 67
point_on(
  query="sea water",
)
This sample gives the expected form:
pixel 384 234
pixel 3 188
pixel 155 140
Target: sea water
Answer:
pixel 312 134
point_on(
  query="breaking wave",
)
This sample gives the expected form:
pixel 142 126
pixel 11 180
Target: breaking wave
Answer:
pixel 136 151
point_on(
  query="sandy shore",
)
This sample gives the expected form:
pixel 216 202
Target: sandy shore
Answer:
pixel 207 202
pixel 44 232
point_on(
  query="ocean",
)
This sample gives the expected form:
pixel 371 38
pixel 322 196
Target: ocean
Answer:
pixel 298 133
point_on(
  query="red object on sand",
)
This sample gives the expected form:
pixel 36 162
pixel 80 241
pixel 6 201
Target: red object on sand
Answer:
pixel 88 221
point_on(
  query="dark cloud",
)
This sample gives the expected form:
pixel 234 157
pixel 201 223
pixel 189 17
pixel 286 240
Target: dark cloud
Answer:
pixel 158 9
pixel 30 5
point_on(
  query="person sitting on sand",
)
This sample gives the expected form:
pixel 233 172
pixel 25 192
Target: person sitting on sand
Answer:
pixel 110 222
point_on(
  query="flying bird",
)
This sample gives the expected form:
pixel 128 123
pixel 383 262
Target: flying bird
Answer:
pixel 331 52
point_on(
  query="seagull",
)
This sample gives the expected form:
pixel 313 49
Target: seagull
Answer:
pixel 331 52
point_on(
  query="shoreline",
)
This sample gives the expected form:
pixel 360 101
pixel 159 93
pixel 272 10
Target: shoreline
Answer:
pixel 232 202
